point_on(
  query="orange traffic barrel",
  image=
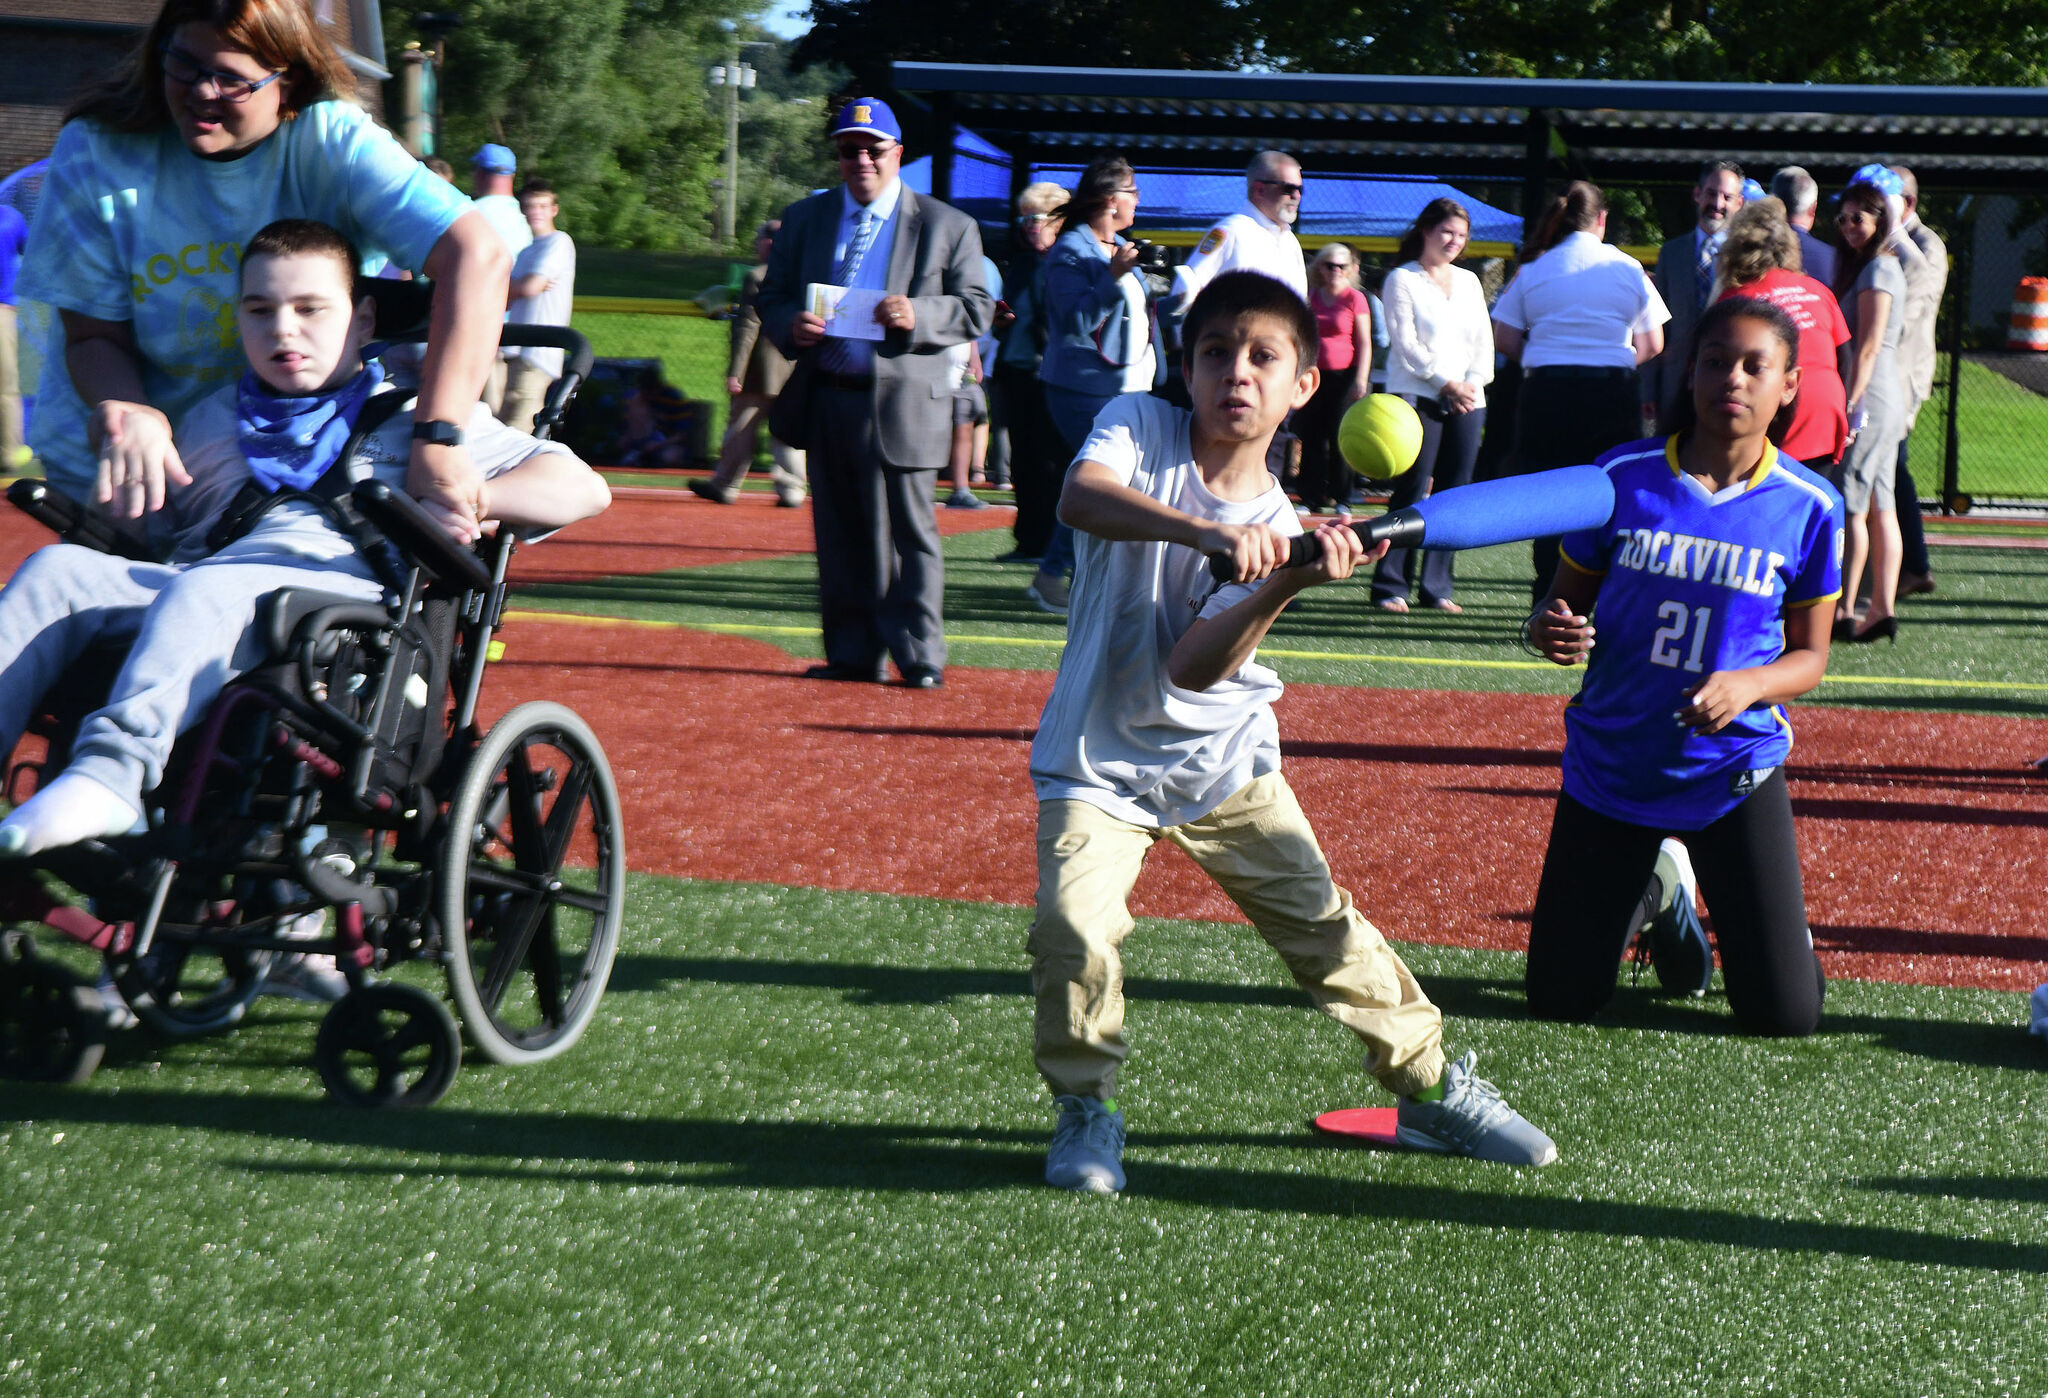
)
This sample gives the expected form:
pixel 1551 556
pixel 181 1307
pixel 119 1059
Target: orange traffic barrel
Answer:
pixel 2029 315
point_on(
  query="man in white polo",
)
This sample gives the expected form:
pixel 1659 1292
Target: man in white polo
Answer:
pixel 1257 238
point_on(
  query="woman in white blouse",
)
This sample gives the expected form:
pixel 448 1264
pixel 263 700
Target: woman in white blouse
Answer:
pixel 1440 359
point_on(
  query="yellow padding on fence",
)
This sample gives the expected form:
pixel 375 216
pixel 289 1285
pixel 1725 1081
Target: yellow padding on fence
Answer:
pixel 1267 652
pixel 637 305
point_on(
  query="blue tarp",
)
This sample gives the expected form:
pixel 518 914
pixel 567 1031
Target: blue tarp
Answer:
pixel 1353 206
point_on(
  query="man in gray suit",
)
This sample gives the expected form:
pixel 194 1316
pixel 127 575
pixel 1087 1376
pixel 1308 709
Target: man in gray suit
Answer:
pixel 875 416
pixel 1684 278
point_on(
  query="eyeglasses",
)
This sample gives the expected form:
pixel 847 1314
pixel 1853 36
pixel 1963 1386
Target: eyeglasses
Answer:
pixel 1033 220
pixel 1336 266
pixel 185 70
pixel 874 154
pixel 1282 186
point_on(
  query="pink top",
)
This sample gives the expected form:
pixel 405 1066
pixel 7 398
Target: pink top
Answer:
pixel 1820 417
pixel 1336 346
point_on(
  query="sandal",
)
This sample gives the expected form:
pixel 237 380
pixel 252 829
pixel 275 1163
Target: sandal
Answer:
pixel 1396 605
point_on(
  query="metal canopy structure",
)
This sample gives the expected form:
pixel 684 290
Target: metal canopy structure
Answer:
pixel 1527 132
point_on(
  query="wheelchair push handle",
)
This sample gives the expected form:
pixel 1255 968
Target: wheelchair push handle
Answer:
pixel 410 527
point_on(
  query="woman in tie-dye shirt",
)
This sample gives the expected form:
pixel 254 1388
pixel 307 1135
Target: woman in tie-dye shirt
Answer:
pixel 223 120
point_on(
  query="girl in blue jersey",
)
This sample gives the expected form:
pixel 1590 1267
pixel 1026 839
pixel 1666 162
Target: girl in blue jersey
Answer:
pixel 1712 584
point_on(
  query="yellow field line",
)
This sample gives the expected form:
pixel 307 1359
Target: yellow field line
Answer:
pixel 1356 657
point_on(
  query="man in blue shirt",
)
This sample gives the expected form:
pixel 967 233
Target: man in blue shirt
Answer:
pixel 868 399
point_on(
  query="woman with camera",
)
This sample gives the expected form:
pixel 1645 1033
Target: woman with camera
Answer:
pixel 1102 338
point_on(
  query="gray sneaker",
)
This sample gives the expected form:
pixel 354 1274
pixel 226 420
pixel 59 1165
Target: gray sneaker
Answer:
pixel 1087 1147
pixel 1472 1120
pixel 965 500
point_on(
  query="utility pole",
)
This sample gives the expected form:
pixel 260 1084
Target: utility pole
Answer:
pixel 732 76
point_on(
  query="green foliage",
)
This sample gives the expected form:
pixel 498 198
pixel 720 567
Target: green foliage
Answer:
pixel 610 100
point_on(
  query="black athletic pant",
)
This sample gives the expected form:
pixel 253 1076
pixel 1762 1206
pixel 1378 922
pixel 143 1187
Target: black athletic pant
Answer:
pixel 1748 866
pixel 1325 479
pixel 1567 415
pixel 1906 500
pixel 1038 463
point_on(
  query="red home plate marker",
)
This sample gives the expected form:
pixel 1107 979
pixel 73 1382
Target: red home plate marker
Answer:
pixel 1361 1126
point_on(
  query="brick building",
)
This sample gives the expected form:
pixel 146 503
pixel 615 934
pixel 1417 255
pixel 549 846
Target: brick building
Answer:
pixel 50 49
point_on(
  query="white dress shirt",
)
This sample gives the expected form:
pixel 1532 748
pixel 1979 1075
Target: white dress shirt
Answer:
pixel 1247 241
pixel 1434 339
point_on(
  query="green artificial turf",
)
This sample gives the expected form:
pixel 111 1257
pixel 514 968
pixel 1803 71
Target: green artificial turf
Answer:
pixel 2001 440
pixel 799 1152
pixel 1976 646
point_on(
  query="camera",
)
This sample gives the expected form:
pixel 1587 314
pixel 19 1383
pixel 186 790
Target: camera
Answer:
pixel 1152 258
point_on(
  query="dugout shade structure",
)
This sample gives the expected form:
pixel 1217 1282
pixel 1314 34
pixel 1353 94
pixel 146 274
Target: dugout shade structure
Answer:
pixel 1504 143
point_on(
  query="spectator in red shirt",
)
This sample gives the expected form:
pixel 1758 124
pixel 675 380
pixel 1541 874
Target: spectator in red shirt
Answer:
pixel 1344 355
pixel 1761 259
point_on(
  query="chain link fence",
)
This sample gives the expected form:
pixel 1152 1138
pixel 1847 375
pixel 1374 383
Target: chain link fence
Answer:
pixel 1982 439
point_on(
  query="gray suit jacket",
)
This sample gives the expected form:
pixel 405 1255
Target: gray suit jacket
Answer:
pixel 936 262
pixel 1926 278
pixel 1676 277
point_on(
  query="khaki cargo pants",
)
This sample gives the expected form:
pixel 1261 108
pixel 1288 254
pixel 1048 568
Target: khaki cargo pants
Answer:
pixel 1259 849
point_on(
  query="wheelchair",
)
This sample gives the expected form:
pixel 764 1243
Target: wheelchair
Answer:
pixel 344 782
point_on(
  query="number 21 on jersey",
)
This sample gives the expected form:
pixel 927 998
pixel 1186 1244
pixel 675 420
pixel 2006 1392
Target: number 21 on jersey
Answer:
pixel 1669 643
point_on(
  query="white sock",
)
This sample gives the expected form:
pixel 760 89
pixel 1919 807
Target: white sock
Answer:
pixel 72 808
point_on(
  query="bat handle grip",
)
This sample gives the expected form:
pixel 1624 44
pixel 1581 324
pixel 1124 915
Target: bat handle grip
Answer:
pixel 1302 550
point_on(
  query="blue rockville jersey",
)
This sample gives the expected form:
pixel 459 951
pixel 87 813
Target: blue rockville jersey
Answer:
pixel 1693 583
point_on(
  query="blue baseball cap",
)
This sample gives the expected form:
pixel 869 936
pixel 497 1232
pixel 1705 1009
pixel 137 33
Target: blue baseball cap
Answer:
pixel 866 114
pixel 1881 178
pixel 1751 191
pixel 495 160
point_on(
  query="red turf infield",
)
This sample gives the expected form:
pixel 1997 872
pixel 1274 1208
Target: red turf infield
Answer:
pixel 1921 834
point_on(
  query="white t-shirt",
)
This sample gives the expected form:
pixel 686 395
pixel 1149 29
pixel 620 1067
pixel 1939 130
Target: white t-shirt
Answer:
pixel 553 257
pixel 1117 733
pixel 212 453
pixel 135 228
pixel 1434 339
pixel 1580 303
pixel 1247 241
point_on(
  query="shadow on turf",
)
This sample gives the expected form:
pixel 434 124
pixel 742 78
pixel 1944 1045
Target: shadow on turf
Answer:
pixel 1998 1188
pixel 1634 1007
pixel 599 1150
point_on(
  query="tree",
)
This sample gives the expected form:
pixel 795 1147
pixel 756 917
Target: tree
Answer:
pixel 609 99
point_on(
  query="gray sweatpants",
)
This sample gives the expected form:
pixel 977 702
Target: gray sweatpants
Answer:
pixel 187 629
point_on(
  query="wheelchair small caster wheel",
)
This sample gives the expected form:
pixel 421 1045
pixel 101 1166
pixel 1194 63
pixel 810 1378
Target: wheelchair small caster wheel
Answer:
pixel 388 1045
pixel 52 1027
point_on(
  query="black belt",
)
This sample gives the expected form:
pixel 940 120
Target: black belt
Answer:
pixel 1578 371
pixel 851 383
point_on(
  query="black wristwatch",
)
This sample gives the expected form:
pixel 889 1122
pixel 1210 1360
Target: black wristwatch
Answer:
pixel 438 433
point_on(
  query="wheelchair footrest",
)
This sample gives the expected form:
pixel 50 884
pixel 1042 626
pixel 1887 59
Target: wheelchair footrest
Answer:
pixel 32 903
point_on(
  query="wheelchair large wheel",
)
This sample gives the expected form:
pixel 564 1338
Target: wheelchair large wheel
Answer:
pixel 184 990
pixel 52 1027
pixel 388 1045
pixel 532 885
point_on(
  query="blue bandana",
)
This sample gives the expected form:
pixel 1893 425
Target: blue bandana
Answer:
pixel 290 442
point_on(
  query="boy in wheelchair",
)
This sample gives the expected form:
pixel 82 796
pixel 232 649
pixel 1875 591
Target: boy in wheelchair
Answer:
pixel 246 522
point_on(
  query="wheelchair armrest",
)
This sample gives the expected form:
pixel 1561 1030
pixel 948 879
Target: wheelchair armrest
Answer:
pixel 414 531
pixel 73 522
pixel 579 354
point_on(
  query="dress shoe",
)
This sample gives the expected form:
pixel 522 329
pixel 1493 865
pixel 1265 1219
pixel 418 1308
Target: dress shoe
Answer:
pixel 859 674
pixel 1913 584
pixel 705 490
pixel 1888 628
pixel 1845 629
pixel 923 677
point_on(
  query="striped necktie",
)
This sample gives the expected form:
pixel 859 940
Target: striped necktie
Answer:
pixel 836 355
pixel 856 249
pixel 1703 274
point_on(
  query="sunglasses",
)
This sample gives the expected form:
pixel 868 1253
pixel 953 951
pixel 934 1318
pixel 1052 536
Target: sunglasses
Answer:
pixel 874 154
pixel 1282 186
pixel 185 70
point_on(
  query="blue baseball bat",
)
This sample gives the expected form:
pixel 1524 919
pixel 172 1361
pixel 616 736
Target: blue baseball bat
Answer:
pixel 1476 516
